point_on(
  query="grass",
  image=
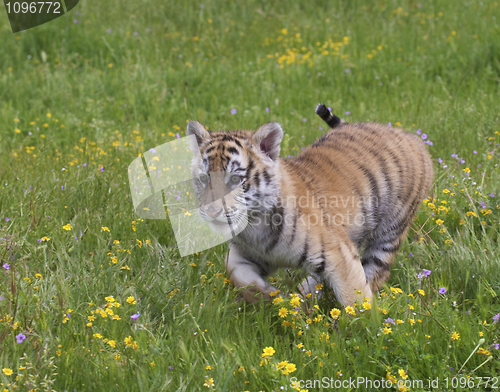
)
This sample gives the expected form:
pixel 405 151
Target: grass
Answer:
pixel 82 96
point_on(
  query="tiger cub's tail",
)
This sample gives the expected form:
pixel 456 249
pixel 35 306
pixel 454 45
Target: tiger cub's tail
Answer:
pixel 331 119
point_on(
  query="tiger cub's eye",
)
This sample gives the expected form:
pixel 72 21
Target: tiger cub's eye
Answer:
pixel 235 179
pixel 204 178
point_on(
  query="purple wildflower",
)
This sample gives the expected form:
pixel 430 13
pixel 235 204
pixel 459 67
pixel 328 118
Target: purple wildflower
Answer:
pixel 454 156
pixel 442 290
pixel 136 33
pixel 2 298
pixel 419 131
pixel 135 316
pixel 7 219
pixel 462 161
pixel 177 136
pixel 20 337
pixel 496 317
pixel 410 255
pixel 102 168
pixel 389 321
pixel 233 111
pixel 496 346
pixel 304 120
pixel 75 21
pixel 468 312
pixel 108 31
pixel 267 110
pixel 440 161
pixel 6 266
pixel 320 128
pixel 427 273
pixel 424 136
pixel 347 113
pixel 390 125
pixel 475 152
pixel 491 195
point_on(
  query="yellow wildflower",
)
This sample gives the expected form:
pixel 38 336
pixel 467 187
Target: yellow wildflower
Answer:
pixel 209 383
pixel 268 352
pixel 350 310
pixel 289 368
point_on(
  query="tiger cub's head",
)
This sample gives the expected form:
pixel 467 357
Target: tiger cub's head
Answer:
pixel 236 174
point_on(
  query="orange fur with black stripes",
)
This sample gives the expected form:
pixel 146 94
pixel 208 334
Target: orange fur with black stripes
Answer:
pixel 339 210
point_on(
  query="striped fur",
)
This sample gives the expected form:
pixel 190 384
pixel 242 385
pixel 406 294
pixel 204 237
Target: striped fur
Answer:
pixel 339 210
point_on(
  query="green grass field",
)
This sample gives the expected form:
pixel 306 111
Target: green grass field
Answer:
pixel 84 95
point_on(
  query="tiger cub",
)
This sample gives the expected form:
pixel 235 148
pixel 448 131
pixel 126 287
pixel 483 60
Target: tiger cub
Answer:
pixel 352 192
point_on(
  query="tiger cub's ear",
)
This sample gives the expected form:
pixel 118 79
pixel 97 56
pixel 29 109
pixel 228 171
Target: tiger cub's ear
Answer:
pixel 268 137
pixel 198 130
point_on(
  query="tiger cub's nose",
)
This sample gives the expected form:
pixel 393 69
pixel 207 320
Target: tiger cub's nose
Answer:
pixel 213 212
